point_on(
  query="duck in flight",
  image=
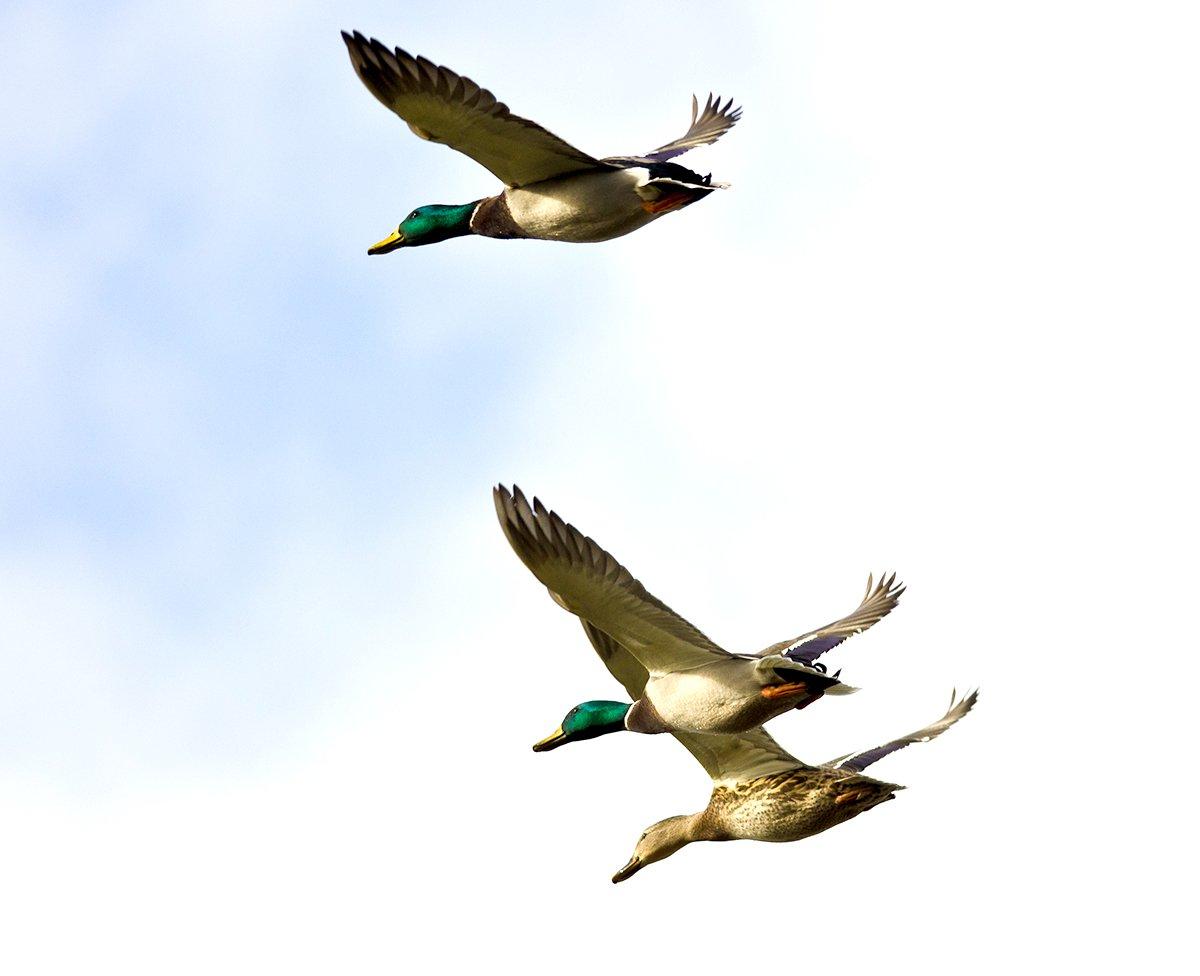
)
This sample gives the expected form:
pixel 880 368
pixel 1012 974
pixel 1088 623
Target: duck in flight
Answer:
pixel 553 191
pixel 760 790
pixel 691 683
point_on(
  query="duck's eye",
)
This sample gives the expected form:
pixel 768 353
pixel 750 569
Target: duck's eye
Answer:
pixel 413 214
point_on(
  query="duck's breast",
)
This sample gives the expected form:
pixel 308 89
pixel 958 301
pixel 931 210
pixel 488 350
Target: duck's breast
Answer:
pixel 583 208
pixel 722 697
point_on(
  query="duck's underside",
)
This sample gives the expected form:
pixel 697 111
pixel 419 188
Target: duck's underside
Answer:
pixel 732 695
pixel 595 205
pixel 791 806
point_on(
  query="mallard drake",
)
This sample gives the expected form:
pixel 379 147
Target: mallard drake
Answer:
pixel 553 191
pixel 693 684
pixel 760 790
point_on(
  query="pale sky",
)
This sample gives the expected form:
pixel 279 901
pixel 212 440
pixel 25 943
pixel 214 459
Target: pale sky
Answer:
pixel 269 673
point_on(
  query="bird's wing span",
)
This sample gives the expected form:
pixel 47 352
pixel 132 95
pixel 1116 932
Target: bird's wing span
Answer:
pixel 726 758
pixel 442 106
pixel 861 760
pixel 707 127
pixel 586 580
pixel 878 602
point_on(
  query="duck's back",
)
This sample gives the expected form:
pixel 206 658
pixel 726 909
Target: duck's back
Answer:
pixel 792 805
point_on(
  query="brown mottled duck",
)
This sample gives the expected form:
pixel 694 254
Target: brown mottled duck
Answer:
pixel 760 791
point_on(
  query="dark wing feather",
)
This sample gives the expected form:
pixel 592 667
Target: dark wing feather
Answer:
pixel 707 127
pixel 442 106
pixel 586 580
pixel 877 603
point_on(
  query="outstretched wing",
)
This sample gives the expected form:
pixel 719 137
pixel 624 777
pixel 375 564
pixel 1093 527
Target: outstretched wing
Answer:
pixel 707 127
pixel 861 760
pixel 442 106
pixel 620 663
pixel 586 580
pixel 731 759
pixel 879 601
pixel 727 759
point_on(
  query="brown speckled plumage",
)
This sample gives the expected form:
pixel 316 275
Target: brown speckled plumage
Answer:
pixel 790 805
pixel 760 790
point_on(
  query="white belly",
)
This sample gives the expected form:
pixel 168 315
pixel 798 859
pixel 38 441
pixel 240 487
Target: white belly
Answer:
pixel 581 209
pixel 705 700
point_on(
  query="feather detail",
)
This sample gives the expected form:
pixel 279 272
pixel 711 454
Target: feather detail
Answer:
pixel 706 128
pixel 878 601
pixel 440 105
pixel 861 760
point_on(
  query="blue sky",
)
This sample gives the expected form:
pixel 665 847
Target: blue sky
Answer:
pixel 266 653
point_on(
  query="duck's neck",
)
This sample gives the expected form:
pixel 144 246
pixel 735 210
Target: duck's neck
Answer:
pixel 686 828
pixel 706 825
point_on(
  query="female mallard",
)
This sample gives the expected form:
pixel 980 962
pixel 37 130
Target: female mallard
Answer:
pixel 693 684
pixel 553 191
pixel 760 791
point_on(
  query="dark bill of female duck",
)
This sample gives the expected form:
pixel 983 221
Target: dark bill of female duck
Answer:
pixel 692 683
pixel 553 191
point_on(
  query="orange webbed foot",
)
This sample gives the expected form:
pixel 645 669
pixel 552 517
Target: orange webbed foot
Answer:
pixel 782 691
pixel 668 201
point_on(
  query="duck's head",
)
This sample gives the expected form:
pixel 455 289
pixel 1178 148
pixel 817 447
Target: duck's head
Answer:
pixel 428 225
pixel 586 721
pixel 661 840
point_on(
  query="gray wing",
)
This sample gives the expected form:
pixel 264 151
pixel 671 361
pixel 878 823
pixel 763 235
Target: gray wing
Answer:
pixel 731 759
pixel 861 760
pixel 620 663
pixel 442 106
pixel 707 127
pixel 879 600
pixel 726 758
pixel 586 580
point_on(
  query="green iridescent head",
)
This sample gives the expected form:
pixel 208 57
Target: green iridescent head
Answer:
pixel 428 225
pixel 586 721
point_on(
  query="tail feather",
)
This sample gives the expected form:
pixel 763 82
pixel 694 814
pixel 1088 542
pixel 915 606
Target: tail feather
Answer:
pixel 861 760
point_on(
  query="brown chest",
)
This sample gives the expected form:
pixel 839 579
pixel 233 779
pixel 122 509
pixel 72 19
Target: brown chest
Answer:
pixel 492 218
